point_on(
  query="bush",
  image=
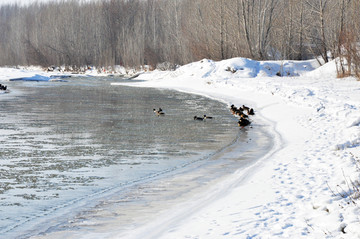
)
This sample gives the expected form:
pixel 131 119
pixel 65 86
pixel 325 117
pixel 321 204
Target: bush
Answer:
pixel 166 66
pixel 348 61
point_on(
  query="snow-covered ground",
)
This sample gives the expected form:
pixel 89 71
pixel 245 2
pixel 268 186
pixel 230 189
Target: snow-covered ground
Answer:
pixel 306 186
pixel 7 73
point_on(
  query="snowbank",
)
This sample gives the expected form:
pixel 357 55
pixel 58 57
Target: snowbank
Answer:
pixel 305 187
pixel 36 73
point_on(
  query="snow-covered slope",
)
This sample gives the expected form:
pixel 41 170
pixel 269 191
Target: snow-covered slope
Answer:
pixel 307 186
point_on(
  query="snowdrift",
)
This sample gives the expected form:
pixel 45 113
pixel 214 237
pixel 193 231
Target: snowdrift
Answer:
pixel 245 68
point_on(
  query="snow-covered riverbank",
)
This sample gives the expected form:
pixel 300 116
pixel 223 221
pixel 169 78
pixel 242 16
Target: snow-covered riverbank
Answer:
pixel 304 187
pixel 297 189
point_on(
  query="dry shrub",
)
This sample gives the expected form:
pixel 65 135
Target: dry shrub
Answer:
pixel 348 61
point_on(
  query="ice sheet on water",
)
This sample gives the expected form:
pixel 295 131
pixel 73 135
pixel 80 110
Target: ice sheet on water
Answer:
pixel 38 77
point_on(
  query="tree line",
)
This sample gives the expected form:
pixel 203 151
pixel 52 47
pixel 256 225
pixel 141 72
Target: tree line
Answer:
pixel 147 32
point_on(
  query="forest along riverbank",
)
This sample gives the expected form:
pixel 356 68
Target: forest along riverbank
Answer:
pixel 58 140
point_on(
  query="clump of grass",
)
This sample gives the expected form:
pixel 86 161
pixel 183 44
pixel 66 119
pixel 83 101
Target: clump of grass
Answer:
pixel 352 190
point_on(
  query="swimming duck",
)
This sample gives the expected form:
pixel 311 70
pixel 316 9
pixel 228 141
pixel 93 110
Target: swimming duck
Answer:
pixel 159 112
pixel 243 122
pixel 198 118
pixel 3 87
pixel 233 109
pixel 208 117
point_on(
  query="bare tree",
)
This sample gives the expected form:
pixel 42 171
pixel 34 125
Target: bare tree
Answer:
pixel 137 32
pixel 320 9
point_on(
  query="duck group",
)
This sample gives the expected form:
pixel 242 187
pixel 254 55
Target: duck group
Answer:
pixel 243 112
pixel 240 111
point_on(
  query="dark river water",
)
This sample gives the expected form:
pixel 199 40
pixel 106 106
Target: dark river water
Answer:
pixel 67 146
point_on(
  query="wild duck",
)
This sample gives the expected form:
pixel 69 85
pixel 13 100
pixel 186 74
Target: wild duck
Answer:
pixel 198 118
pixel 233 109
pixel 159 112
pixel 244 108
pixel 243 116
pixel 3 87
pixel 208 117
pixel 250 111
pixel 243 122
pixel 239 112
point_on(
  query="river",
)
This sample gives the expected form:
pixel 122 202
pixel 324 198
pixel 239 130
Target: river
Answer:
pixel 82 154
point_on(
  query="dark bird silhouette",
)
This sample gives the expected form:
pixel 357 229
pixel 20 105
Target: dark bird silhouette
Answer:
pixel 244 108
pixel 159 112
pixel 198 118
pixel 243 122
pixel 251 111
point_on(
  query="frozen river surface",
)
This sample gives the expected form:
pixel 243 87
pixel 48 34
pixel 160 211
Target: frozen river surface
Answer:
pixel 68 148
